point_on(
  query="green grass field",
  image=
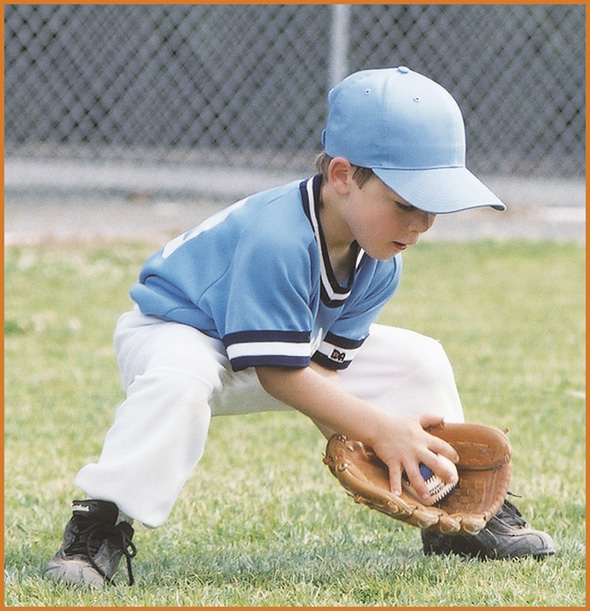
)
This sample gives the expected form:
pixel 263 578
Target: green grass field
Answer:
pixel 262 522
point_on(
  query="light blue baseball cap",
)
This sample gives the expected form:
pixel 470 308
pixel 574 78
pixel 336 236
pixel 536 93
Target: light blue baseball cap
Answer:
pixel 409 130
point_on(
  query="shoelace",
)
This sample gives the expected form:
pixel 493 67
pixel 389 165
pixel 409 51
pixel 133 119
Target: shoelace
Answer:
pixel 89 538
pixel 510 514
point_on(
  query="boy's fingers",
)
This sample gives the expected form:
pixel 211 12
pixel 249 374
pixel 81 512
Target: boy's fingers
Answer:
pixel 417 481
pixel 438 446
pixel 427 420
pixel 445 469
pixel 395 480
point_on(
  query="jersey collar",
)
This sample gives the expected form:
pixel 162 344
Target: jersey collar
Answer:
pixel 332 293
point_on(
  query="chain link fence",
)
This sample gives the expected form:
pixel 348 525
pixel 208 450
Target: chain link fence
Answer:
pixel 245 85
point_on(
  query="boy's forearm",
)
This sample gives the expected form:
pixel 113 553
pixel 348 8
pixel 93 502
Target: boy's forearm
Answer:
pixel 316 392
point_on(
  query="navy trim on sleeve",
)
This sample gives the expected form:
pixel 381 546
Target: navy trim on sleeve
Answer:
pixel 271 348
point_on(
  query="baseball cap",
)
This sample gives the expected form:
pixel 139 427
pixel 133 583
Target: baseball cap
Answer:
pixel 409 130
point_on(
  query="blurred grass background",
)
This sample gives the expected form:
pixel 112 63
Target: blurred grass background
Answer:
pixel 262 522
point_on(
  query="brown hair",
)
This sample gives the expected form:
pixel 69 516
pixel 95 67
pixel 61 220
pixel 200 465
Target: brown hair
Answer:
pixel 360 175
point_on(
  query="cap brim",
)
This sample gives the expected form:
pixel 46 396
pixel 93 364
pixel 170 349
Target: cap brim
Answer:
pixel 440 190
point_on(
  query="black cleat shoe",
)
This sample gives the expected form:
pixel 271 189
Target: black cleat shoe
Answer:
pixel 506 536
pixel 92 546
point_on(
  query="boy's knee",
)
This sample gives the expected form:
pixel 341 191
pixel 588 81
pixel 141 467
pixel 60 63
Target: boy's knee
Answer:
pixel 431 362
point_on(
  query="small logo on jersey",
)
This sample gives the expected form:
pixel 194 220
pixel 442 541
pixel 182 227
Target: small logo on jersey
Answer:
pixel 338 356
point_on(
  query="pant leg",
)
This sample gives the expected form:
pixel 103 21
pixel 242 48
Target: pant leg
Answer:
pixel 404 373
pixel 176 379
pixel 159 431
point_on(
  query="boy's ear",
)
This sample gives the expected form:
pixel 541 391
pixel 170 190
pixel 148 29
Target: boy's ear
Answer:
pixel 340 175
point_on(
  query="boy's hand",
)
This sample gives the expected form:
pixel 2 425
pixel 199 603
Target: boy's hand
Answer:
pixel 407 445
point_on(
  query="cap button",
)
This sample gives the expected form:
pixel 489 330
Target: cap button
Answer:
pixel 403 69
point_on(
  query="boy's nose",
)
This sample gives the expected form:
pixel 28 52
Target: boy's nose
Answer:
pixel 422 221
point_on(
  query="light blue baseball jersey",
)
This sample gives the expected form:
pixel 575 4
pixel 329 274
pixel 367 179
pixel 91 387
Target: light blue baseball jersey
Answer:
pixel 257 276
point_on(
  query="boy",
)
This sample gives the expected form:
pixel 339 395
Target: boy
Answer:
pixel 270 304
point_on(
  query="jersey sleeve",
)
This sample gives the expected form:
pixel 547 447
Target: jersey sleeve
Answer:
pixel 349 331
pixel 266 317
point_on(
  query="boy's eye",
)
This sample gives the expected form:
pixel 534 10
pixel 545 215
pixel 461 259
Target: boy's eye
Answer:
pixel 406 207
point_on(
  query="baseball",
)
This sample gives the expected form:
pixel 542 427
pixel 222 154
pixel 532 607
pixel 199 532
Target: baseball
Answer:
pixel 438 488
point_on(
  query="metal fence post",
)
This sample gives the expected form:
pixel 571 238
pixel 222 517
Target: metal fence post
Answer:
pixel 339 43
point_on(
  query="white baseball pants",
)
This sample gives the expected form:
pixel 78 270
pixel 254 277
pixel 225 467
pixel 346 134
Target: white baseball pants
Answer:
pixel 177 378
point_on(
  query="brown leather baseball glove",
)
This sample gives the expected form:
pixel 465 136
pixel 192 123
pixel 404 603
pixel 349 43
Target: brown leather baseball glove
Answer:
pixel 484 473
